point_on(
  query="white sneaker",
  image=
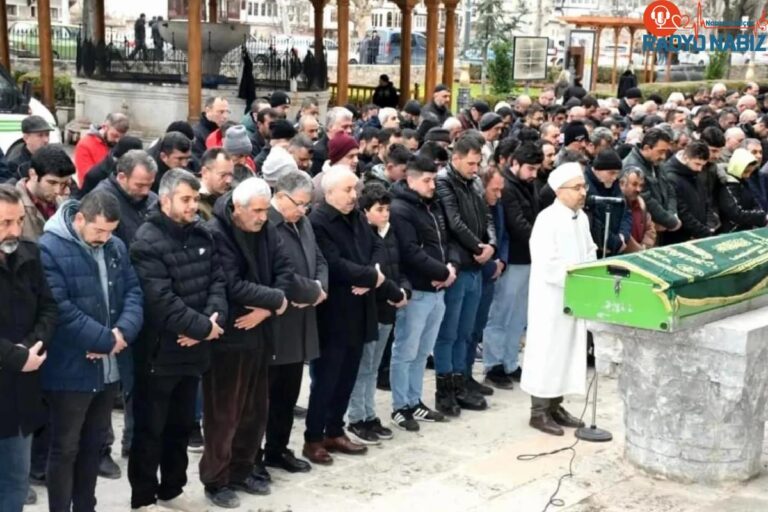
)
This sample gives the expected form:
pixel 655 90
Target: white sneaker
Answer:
pixel 152 508
pixel 182 503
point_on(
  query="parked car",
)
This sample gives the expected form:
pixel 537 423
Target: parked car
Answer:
pixel 15 105
pixel 23 40
pixel 389 47
pixel 605 59
pixel 744 58
pixel 693 57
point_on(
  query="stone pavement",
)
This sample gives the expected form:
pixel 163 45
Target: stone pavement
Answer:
pixel 470 464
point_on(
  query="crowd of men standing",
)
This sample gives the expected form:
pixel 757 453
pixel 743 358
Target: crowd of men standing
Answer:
pixel 193 279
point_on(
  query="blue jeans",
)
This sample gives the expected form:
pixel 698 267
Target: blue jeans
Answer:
pixel 507 319
pixel 14 472
pixel 461 303
pixel 482 318
pixel 361 402
pixel 416 328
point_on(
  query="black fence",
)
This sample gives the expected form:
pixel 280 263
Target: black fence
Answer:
pixel 273 64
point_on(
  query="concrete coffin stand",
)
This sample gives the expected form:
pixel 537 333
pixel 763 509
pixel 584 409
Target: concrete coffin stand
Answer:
pixel 152 107
pixel 694 399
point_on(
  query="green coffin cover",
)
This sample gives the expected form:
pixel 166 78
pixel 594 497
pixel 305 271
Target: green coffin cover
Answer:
pixel 655 289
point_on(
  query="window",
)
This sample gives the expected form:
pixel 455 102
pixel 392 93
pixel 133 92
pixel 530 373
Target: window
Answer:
pixel 54 13
pixel 11 10
pixel 250 8
pixel 389 19
pixel 33 11
pixel 263 9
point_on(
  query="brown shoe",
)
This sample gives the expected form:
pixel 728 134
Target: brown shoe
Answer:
pixel 566 419
pixel 317 453
pixel 546 424
pixel 344 445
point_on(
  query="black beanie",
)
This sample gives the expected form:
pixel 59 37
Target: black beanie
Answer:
pixel 575 131
pixel 280 129
pixel 125 144
pixel 182 127
pixel 607 160
pixel 413 107
pixel 633 92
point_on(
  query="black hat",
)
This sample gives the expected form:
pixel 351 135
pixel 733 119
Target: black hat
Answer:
pixel 35 124
pixel 125 144
pixel 278 99
pixel 280 129
pixel 440 88
pixel 438 135
pixel 607 160
pixel 489 120
pixel 181 127
pixel 482 107
pixel 574 132
pixel 572 102
pixel 384 78
pixel 633 92
pixel 413 107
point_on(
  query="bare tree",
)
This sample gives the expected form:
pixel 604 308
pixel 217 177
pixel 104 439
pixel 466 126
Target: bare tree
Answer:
pixel 360 14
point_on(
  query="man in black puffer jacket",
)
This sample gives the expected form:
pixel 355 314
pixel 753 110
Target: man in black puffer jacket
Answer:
pixel 472 234
pixel 259 277
pixel 683 170
pixel 185 304
pixel 419 224
pixel 603 194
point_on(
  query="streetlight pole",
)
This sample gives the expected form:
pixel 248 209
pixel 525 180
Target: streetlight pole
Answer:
pixel 467 23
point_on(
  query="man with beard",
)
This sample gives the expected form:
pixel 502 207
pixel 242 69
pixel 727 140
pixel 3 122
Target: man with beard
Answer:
pixel 470 118
pixel 507 317
pixel 684 171
pixel 547 166
pixel 216 175
pixel 95 145
pixel 259 278
pixel 369 148
pixel 643 234
pixel 186 306
pixel 440 104
pixel 108 166
pixel 48 183
pixel 35 131
pixel 554 359
pixel 27 323
pixel 173 151
pixel 100 314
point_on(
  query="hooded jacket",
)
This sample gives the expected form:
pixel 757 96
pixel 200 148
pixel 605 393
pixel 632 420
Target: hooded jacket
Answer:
pixel 422 237
pixel 86 315
pixel 184 286
pixel 621 218
pixel 258 272
pixel 739 209
pixel 377 174
pixel 692 205
pixel 90 150
pixel 27 315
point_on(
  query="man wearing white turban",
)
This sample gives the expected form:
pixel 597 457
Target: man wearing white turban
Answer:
pixel 555 362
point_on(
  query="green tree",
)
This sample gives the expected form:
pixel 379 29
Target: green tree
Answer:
pixel 500 68
pixel 492 22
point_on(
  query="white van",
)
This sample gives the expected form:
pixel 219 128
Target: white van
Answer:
pixel 15 105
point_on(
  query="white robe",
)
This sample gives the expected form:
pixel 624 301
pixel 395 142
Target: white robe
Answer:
pixel 555 361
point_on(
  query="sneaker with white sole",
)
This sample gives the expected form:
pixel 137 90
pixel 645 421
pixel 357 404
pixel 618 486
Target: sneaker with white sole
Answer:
pixel 182 503
pixel 361 434
pixel 380 430
pixel 423 413
pixel 403 419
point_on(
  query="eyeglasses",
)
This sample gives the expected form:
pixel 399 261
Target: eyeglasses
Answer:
pixel 577 188
pixel 300 206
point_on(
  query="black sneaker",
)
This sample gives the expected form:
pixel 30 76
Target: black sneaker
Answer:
pixel 403 419
pixel 361 434
pixel 195 443
pixel 31 496
pixel 475 387
pixel 423 413
pixel 377 428
pixel 516 375
pixel 299 412
pixel 252 485
pixel 496 377
pixel 223 497
pixel 108 468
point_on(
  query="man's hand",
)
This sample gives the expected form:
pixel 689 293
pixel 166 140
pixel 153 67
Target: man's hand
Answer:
pixel 120 343
pixel 322 296
pixel 451 276
pixel 283 307
pixel 216 330
pixel 359 290
pixel 34 358
pixel 402 303
pixel 186 341
pixel 380 278
pixel 486 255
pixel 499 269
pixel 678 225
pixel 250 320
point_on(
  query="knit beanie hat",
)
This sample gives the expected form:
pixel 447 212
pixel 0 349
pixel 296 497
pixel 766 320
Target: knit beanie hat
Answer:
pixel 633 92
pixel 413 107
pixel 339 146
pixel 181 127
pixel 126 144
pixel 482 107
pixel 279 162
pixel 438 134
pixel 575 132
pixel 280 129
pixel 607 160
pixel 488 121
pixel 236 141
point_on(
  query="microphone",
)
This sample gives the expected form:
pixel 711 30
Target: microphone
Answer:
pixel 593 200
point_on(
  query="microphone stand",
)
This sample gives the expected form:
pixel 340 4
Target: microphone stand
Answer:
pixel 592 433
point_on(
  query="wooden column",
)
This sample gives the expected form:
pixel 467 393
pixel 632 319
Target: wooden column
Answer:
pixel 213 11
pixel 5 57
pixel 46 52
pixel 595 58
pixel 99 32
pixel 616 34
pixel 450 41
pixel 342 66
pixel 195 61
pixel 406 12
pixel 430 73
pixel 319 7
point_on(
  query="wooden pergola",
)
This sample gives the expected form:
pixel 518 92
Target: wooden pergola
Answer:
pixel 195 48
pixel 598 24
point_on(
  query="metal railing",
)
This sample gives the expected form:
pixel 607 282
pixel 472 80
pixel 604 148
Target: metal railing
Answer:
pixel 361 95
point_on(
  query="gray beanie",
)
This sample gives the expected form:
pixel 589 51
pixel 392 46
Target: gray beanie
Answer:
pixel 279 162
pixel 236 141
